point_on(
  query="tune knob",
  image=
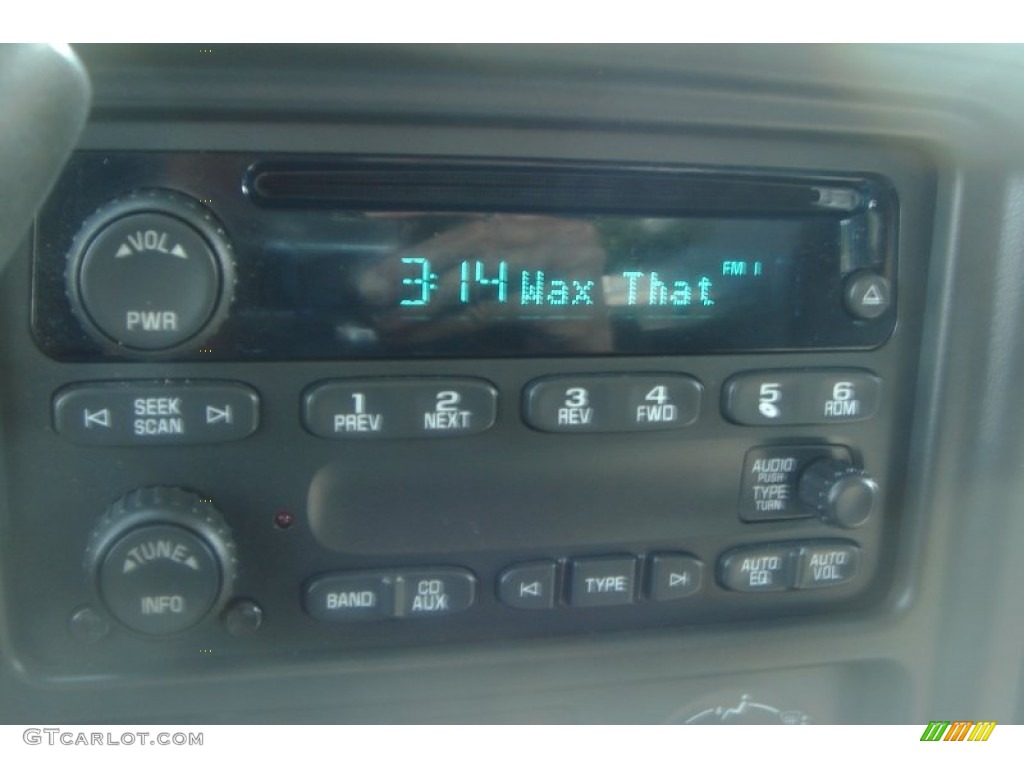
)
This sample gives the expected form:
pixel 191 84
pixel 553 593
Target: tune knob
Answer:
pixel 150 272
pixel 839 492
pixel 162 559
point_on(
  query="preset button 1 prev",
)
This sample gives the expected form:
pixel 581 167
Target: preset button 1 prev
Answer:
pixel 155 412
pixel 399 408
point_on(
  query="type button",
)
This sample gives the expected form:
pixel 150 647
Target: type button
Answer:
pixel 602 581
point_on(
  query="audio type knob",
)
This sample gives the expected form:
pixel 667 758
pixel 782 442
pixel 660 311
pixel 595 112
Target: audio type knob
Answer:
pixel 150 272
pixel 840 493
pixel 162 559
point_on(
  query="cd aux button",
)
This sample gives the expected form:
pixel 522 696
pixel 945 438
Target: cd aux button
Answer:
pixel 428 592
pixel 362 409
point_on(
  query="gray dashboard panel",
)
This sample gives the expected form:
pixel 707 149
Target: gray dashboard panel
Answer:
pixel 944 124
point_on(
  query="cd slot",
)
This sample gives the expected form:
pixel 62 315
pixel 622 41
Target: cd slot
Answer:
pixel 536 188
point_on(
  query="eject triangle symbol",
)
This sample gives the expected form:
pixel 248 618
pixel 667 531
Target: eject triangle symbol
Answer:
pixel 872 297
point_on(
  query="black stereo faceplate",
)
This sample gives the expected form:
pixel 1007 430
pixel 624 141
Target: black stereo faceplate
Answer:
pixel 618 507
pixel 393 258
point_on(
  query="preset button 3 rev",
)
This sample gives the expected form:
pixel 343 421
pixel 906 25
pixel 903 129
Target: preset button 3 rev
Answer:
pixel 603 403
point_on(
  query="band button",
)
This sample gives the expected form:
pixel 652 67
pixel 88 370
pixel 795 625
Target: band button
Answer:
pixel 350 596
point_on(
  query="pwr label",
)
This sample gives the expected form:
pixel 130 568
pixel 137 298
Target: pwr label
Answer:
pixel 144 320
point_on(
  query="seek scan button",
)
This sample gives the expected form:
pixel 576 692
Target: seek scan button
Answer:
pixel 178 412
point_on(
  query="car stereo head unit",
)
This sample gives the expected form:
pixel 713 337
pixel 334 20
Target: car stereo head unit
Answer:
pixel 298 404
pixel 277 259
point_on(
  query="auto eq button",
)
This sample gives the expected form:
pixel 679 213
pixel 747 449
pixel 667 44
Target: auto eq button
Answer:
pixel 155 412
pixel 763 568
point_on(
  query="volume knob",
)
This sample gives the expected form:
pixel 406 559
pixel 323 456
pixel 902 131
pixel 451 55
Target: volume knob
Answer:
pixel 839 492
pixel 162 559
pixel 150 272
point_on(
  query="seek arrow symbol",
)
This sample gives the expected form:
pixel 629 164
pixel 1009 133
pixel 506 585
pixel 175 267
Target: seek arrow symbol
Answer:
pixel 100 418
pixel 532 589
pixel 675 579
pixel 216 415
